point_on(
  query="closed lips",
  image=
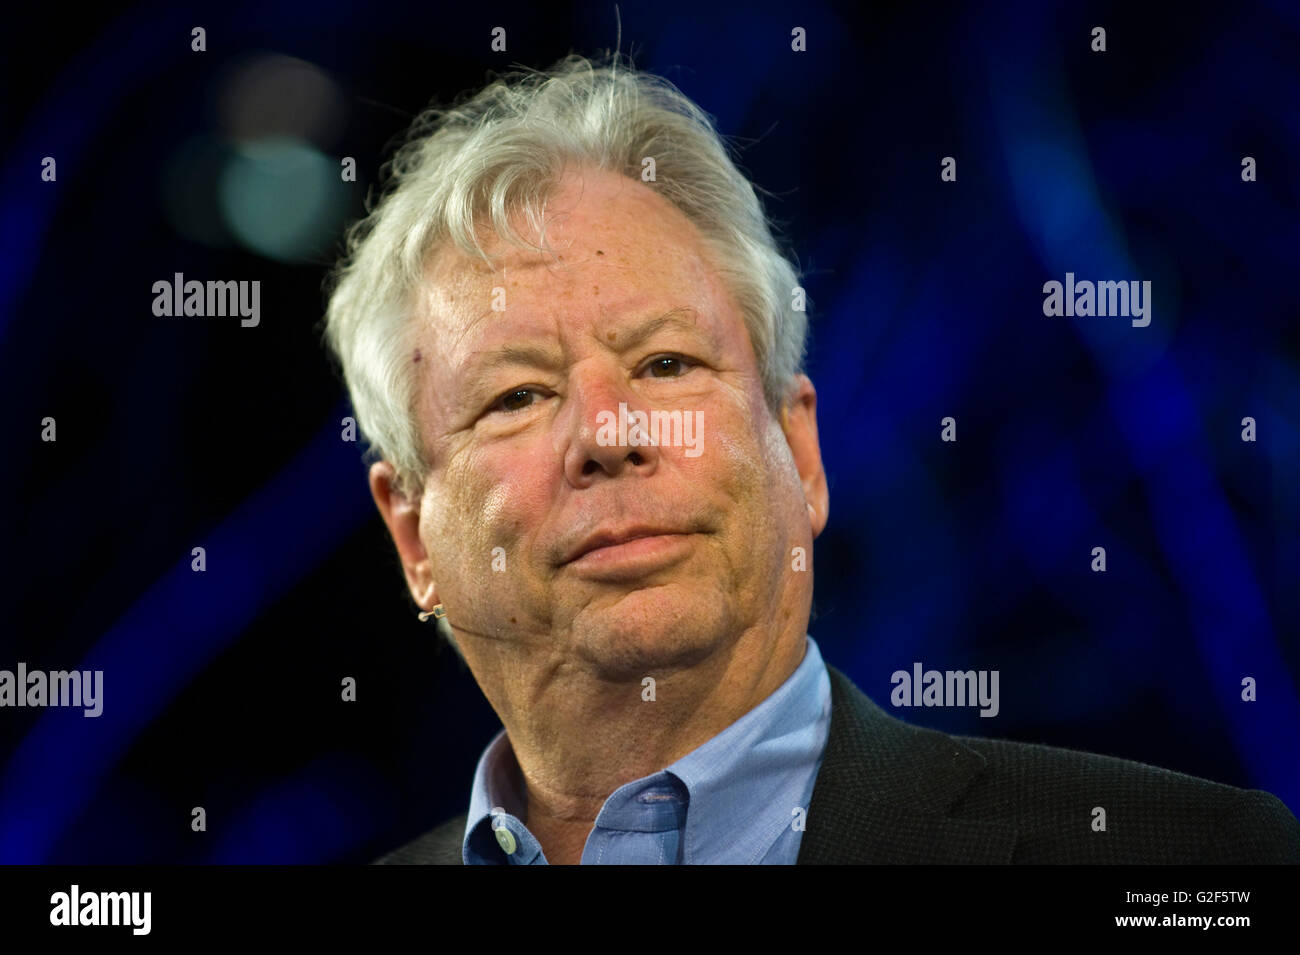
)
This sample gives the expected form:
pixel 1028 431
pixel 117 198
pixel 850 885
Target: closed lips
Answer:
pixel 612 538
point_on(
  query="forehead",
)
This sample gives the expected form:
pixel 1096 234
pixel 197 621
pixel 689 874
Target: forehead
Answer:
pixel 622 253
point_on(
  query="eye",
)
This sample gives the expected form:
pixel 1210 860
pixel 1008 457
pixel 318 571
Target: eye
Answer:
pixel 516 399
pixel 669 366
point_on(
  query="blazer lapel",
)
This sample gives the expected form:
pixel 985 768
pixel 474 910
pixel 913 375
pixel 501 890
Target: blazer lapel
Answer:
pixel 885 791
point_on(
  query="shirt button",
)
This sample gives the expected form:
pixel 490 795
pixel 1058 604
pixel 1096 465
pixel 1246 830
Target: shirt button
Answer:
pixel 506 840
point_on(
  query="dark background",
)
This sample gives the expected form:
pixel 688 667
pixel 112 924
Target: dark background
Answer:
pixel 222 689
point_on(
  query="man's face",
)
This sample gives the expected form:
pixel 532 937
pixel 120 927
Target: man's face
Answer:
pixel 547 543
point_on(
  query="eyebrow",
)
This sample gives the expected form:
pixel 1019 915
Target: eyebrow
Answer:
pixel 683 316
pixel 513 355
pixel 516 354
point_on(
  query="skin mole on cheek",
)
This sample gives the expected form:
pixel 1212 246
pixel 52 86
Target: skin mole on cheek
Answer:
pixel 611 335
pixel 598 252
pixel 417 355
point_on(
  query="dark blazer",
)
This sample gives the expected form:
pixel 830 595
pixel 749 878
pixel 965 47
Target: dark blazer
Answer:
pixel 891 792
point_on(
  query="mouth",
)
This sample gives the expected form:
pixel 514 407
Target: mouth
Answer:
pixel 629 553
pixel 608 538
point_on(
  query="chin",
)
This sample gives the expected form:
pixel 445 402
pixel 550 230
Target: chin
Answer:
pixel 649 632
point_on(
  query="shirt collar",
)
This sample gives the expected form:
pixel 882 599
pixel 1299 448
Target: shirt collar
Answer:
pixel 759 769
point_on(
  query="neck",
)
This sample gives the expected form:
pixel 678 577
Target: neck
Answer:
pixel 577 737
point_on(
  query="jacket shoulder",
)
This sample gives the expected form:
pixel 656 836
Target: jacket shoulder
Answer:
pixel 1151 815
pixel 441 845
pixel 890 791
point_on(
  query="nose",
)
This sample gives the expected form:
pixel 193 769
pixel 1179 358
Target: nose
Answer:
pixel 598 428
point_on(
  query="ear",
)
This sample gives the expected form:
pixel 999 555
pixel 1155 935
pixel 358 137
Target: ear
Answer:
pixel 799 422
pixel 402 515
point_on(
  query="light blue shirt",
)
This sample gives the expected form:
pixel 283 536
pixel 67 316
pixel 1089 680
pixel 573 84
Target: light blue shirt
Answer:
pixel 740 798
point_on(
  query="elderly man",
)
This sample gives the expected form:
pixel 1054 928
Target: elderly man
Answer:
pixel 576 350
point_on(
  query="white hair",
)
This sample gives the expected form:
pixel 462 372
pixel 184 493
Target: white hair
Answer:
pixel 502 152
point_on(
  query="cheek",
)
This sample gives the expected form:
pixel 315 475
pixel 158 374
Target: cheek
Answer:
pixel 754 472
pixel 497 497
pixel 738 458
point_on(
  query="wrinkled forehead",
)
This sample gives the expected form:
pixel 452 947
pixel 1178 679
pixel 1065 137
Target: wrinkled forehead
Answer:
pixel 602 279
